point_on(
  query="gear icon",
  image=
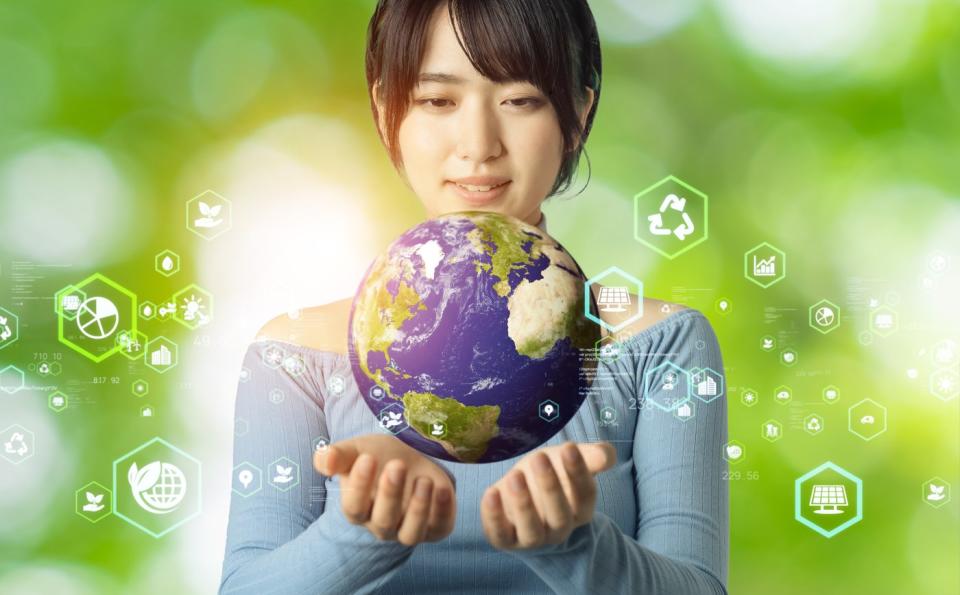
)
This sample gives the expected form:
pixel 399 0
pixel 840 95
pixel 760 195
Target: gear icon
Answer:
pixel 676 203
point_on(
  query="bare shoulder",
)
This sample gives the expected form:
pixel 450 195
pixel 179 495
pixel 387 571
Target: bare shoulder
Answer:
pixel 654 311
pixel 321 327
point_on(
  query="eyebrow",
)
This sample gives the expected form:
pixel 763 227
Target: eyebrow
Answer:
pixel 440 77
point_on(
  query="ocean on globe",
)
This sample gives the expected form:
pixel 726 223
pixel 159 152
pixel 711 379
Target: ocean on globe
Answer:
pixel 468 338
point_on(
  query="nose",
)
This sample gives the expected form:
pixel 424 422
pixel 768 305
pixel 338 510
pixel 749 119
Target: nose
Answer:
pixel 478 134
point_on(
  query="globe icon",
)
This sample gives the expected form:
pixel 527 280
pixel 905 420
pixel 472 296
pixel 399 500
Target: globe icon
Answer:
pixel 465 329
pixel 158 487
pixel 825 316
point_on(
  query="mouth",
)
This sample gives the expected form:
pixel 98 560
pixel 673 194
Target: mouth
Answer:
pixel 480 190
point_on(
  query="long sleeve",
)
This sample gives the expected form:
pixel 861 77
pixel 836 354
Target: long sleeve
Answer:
pixel 289 537
pixel 681 542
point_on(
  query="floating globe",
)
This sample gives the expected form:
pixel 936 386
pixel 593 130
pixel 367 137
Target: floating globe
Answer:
pixel 468 339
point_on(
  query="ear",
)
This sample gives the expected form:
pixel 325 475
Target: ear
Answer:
pixel 586 107
pixel 381 117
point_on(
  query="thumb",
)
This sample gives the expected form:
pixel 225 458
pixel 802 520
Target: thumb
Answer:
pixel 336 459
pixel 599 456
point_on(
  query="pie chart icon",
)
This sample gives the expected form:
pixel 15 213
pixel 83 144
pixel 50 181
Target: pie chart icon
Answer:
pixel 97 318
pixel 825 316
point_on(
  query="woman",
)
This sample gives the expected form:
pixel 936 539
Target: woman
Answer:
pixel 481 104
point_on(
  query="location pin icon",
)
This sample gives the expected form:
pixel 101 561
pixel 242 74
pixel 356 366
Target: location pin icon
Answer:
pixel 245 478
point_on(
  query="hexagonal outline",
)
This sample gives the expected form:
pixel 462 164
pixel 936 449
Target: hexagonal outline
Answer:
pixel 176 259
pixel 721 384
pixel 331 382
pixel 796 356
pixel 276 391
pixel 229 221
pixel 850 419
pixel 313 443
pixel 273 348
pixel 935 391
pixel 131 357
pixel 743 394
pixel 199 487
pixel 746 264
pixel 259 473
pixel 936 348
pixel 774 346
pixel 57 302
pixel 107 510
pixel 301 368
pixel 646 385
pixel 543 404
pixel 719 310
pixel 33 443
pixel 175 359
pixel 693 411
pixel 153 310
pixel 806 421
pixel 923 491
pixel 778 389
pixel 588 298
pixel 636 216
pixel 237 424
pixel 824 394
pixel 896 321
pixel 196 289
pixel 134 311
pixel 66 401
pixel 370 392
pixel 18 372
pixel 133 387
pixel 743 449
pixel 15 327
pixel 405 425
pixel 600 415
pixel 598 349
pixel 763 430
pixel 811 320
pixel 289 487
pixel 798 491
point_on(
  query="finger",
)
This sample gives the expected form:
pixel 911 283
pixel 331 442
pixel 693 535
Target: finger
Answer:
pixel 526 519
pixel 443 512
pixel 335 459
pixel 355 497
pixel 553 502
pixel 386 515
pixel 498 529
pixel 413 529
pixel 582 486
pixel 599 456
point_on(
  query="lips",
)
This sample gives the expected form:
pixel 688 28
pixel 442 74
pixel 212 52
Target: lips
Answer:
pixel 480 189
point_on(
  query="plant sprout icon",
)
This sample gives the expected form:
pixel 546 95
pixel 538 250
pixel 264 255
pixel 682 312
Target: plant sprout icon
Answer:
pixel 193 310
pixel 208 220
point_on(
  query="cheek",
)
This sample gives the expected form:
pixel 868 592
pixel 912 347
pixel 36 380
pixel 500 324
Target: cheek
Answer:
pixel 539 148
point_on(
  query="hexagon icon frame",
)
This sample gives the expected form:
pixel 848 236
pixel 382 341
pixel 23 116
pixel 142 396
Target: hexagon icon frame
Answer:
pixel 705 223
pixel 17 386
pixel 107 510
pixel 12 331
pixel 798 492
pixel 277 463
pixel 685 374
pixel 174 355
pixel 228 216
pixel 925 491
pixel 199 488
pixel 161 257
pixel 718 379
pixel 257 473
pixel 895 326
pixel 134 316
pixel 850 419
pixel 944 384
pixel 192 289
pixel 764 431
pixel 58 299
pixel 777 277
pixel 812 317
pixel 32 443
pixel 588 298
pixel 54 395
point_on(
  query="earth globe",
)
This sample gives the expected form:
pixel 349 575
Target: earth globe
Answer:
pixel 468 337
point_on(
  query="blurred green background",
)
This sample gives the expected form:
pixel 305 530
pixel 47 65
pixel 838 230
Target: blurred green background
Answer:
pixel 829 129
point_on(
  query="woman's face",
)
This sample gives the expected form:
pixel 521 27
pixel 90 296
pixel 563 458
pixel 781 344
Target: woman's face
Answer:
pixel 468 143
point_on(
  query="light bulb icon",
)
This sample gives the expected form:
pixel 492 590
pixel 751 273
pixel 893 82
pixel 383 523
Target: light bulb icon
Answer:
pixel 245 477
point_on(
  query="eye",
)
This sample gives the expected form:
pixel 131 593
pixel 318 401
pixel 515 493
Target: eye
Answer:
pixel 525 102
pixel 434 102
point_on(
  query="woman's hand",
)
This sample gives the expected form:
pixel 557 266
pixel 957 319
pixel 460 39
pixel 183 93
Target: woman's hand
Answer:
pixel 548 493
pixel 391 489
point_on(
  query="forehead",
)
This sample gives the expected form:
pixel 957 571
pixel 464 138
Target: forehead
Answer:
pixel 443 52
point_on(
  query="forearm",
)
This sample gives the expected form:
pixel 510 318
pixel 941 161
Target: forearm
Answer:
pixel 599 558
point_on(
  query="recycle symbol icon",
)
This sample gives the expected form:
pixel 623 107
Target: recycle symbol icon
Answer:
pixel 676 203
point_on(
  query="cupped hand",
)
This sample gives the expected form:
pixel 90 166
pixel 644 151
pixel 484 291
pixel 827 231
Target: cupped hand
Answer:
pixel 545 496
pixel 392 490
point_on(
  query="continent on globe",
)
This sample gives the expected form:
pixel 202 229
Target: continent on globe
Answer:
pixel 468 322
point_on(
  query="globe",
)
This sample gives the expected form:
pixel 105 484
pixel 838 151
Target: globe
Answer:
pixel 158 487
pixel 468 337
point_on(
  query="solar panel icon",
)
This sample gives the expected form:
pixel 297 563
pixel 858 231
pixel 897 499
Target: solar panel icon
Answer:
pixel 826 496
pixel 613 299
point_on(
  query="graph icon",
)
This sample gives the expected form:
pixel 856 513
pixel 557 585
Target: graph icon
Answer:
pixel 832 496
pixel 613 299
pixel 765 267
pixel 97 318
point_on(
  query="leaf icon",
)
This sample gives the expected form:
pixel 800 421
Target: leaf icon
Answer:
pixel 132 475
pixel 205 209
pixel 91 497
pixel 214 211
pixel 146 478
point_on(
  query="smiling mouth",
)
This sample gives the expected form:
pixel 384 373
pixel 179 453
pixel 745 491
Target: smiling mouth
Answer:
pixel 472 188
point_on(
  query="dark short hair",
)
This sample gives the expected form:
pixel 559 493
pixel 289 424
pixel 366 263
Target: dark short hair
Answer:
pixel 553 44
